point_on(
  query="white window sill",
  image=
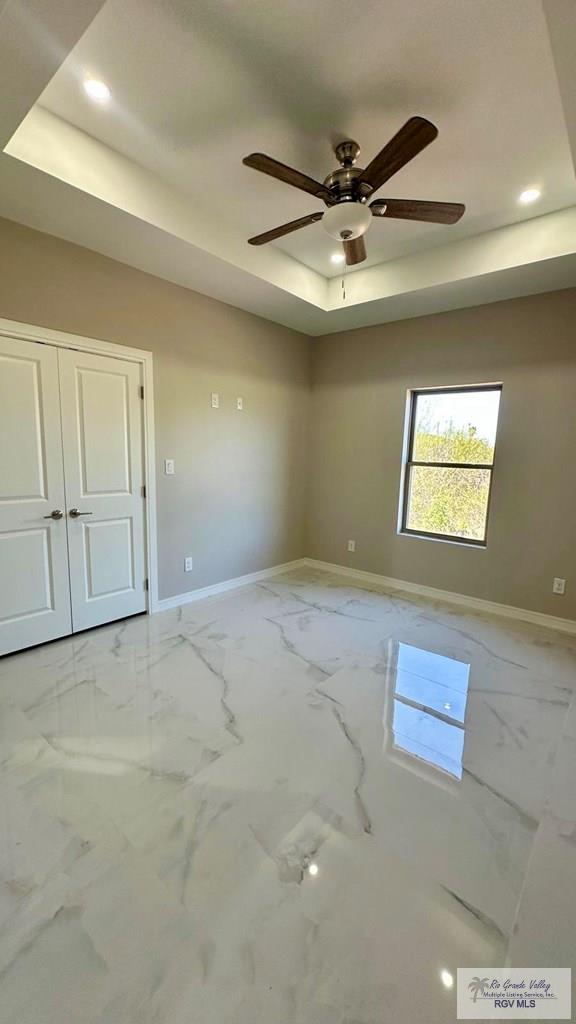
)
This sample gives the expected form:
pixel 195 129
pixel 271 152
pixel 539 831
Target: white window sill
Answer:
pixel 442 540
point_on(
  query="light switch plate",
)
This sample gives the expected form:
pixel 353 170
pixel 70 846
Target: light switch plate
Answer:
pixel 239 404
pixel 188 564
pixel 558 585
pixel 169 467
pixel 215 400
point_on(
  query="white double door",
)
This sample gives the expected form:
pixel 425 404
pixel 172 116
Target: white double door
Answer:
pixel 71 495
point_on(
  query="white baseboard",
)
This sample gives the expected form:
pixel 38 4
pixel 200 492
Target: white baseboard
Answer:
pixel 448 596
pixel 164 604
pixel 475 603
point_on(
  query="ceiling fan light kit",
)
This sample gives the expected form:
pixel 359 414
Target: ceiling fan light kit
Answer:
pixel 346 190
pixel 347 220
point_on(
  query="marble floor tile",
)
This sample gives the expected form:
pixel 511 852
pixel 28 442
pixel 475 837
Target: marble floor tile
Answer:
pixel 295 803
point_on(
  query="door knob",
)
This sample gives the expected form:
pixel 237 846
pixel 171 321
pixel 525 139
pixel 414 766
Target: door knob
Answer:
pixel 75 512
pixel 56 513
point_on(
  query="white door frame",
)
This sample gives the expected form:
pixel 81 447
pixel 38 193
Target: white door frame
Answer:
pixel 61 339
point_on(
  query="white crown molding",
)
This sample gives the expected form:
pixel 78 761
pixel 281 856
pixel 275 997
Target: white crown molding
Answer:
pixel 477 604
pixel 166 603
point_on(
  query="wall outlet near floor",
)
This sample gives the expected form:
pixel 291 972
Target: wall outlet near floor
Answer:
pixel 239 404
pixel 169 467
pixel 215 400
pixel 351 545
pixel 558 585
pixel 188 564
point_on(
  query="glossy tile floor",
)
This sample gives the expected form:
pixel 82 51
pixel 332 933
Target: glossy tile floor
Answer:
pixel 298 803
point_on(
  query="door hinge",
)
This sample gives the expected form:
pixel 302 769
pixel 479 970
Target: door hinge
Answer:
pixel 146 584
pixel 141 391
pixel 143 490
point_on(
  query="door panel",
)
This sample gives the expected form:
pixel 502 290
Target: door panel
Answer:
pixel 34 586
pixel 103 405
pixel 102 431
pixel 22 466
pixel 25 556
pixel 109 553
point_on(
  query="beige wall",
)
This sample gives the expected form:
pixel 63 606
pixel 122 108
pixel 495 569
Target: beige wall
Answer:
pixel 360 384
pixel 239 498
pixel 236 502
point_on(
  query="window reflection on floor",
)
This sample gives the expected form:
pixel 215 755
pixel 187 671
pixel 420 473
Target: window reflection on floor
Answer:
pixel 429 707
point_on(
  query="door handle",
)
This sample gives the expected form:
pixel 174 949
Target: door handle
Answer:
pixel 75 512
pixel 56 513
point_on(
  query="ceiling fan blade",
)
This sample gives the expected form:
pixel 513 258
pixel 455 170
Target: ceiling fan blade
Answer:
pixel 418 209
pixel 266 164
pixel 285 229
pixel 412 138
pixel 354 251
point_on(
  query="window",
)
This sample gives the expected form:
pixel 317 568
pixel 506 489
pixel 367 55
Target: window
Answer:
pixel 448 477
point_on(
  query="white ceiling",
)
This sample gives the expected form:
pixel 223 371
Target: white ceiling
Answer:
pixel 196 86
pixel 199 85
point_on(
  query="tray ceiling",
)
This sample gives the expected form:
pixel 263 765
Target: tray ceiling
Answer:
pixel 197 86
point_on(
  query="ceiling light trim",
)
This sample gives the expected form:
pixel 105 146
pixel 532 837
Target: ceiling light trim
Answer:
pixel 97 90
pixel 530 195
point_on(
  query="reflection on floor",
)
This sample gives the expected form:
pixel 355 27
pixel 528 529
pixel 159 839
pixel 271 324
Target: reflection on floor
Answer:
pixel 430 692
pixel 304 802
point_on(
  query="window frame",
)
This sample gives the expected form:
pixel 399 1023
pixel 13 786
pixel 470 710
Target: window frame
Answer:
pixel 409 463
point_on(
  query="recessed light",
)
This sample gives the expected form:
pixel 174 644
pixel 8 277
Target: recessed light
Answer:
pixel 447 979
pixel 337 257
pixel 96 90
pixel 313 869
pixel 529 195
pixel 447 706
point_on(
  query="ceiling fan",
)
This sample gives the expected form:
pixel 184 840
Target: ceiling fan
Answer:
pixel 346 191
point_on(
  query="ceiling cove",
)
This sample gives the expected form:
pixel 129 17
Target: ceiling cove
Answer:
pixel 125 127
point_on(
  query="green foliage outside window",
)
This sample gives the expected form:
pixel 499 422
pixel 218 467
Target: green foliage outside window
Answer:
pixel 448 500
